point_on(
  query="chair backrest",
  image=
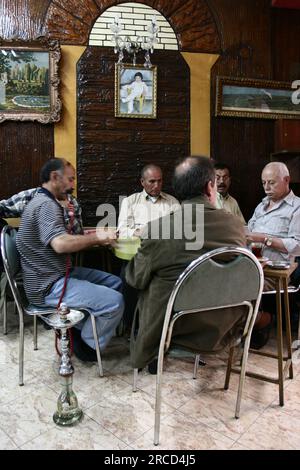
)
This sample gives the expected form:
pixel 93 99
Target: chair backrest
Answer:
pixel 224 278
pixel 11 260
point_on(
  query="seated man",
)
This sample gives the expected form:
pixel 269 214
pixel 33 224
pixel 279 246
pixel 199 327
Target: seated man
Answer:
pixel 136 211
pixel 276 221
pixel 15 205
pixel 224 200
pixel 140 208
pixel 158 263
pixel 44 246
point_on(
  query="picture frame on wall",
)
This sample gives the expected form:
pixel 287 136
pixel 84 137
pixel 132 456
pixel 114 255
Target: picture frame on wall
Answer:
pixel 135 91
pixel 29 81
pixel 255 98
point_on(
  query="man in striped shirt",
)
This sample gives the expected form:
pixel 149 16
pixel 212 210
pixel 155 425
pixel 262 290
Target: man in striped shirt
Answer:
pixel 45 245
pixel 15 205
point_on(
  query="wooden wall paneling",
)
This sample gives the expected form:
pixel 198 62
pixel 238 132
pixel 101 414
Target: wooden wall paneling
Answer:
pixel 245 144
pixel 23 19
pixel 285 40
pixel 112 151
pixel 24 148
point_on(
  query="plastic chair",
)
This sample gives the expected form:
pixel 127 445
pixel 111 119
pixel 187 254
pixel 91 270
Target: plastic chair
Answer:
pixel 210 285
pixel 11 262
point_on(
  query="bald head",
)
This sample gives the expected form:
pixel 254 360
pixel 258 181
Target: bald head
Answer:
pixel 195 176
pixel 278 167
pixel 275 180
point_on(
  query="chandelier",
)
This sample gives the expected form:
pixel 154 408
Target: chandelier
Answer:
pixel 124 43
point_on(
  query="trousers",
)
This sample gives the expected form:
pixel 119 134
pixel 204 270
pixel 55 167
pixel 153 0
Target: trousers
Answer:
pixel 96 292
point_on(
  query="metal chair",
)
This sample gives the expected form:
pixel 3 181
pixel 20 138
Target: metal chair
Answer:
pixel 207 286
pixel 11 262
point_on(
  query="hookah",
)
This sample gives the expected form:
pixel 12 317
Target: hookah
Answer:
pixel 68 412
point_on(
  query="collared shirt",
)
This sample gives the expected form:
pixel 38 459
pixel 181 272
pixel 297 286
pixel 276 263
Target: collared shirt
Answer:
pixel 281 221
pixel 15 205
pixel 229 204
pixel 138 209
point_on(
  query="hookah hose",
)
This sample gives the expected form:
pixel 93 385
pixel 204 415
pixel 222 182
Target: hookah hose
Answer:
pixel 68 268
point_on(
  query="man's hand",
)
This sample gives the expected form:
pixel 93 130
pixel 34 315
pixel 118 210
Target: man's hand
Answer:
pixel 106 236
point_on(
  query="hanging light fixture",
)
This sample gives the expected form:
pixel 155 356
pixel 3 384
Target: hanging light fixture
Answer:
pixel 124 43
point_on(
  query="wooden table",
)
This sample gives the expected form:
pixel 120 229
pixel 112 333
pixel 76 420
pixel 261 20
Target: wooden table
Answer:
pixel 281 278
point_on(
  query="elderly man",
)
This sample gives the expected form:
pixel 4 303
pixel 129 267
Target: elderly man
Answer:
pixel 276 220
pixel 140 208
pixel 224 199
pixel 276 224
pixel 44 245
pixel 136 211
pixel 158 263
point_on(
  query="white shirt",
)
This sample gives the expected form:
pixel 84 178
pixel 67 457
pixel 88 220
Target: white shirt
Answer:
pixel 138 209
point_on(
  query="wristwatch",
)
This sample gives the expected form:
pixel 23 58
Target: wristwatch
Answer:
pixel 268 241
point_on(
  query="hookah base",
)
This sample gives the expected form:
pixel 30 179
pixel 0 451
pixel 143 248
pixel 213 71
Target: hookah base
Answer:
pixel 68 419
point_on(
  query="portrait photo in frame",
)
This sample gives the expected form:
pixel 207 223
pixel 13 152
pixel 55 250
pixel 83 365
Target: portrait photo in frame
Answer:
pixel 254 98
pixel 135 91
pixel 29 80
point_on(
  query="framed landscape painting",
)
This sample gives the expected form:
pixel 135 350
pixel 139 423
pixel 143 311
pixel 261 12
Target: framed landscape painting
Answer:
pixel 29 81
pixel 135 91
pixel 253 98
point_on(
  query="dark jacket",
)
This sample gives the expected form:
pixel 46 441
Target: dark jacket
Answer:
pixel 157 265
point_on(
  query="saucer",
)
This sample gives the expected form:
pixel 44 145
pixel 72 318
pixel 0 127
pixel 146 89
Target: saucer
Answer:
pixel 278 264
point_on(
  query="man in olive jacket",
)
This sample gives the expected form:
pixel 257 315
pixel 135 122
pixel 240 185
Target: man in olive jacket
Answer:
pixel 160 260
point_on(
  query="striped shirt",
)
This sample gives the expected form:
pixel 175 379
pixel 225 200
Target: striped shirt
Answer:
pixel 15 205
pixel 42 222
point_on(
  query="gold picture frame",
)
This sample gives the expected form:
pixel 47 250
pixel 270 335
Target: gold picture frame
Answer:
pixel 255 98
pixel 29 80
pixel 135 91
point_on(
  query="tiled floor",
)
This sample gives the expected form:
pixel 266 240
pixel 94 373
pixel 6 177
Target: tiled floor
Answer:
pixel 196 414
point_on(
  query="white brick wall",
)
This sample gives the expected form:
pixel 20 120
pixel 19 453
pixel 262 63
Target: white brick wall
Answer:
pixel 134 17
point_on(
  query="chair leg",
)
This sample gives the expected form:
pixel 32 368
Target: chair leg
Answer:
pixel 135 376
pixel 229 367
pixel 242 376
pixel 158 398
pixel 21 351
pixel 196 364
pixel 35 345
pixel 97 346
pixel 5 314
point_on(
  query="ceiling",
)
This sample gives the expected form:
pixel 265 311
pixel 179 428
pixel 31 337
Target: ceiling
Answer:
pixel 294 4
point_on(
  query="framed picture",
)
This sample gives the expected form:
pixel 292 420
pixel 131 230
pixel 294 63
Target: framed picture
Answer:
pixel 29 81
pixel 135 91
pixel 251 98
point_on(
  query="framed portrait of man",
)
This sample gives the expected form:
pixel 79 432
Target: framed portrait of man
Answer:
pixel 135 91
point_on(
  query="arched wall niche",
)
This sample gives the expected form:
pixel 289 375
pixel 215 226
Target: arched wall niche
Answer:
pixel 195 25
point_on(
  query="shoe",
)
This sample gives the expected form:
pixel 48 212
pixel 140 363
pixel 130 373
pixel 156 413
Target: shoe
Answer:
pixel 82 350
pixel 152 367
pixel 261 330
